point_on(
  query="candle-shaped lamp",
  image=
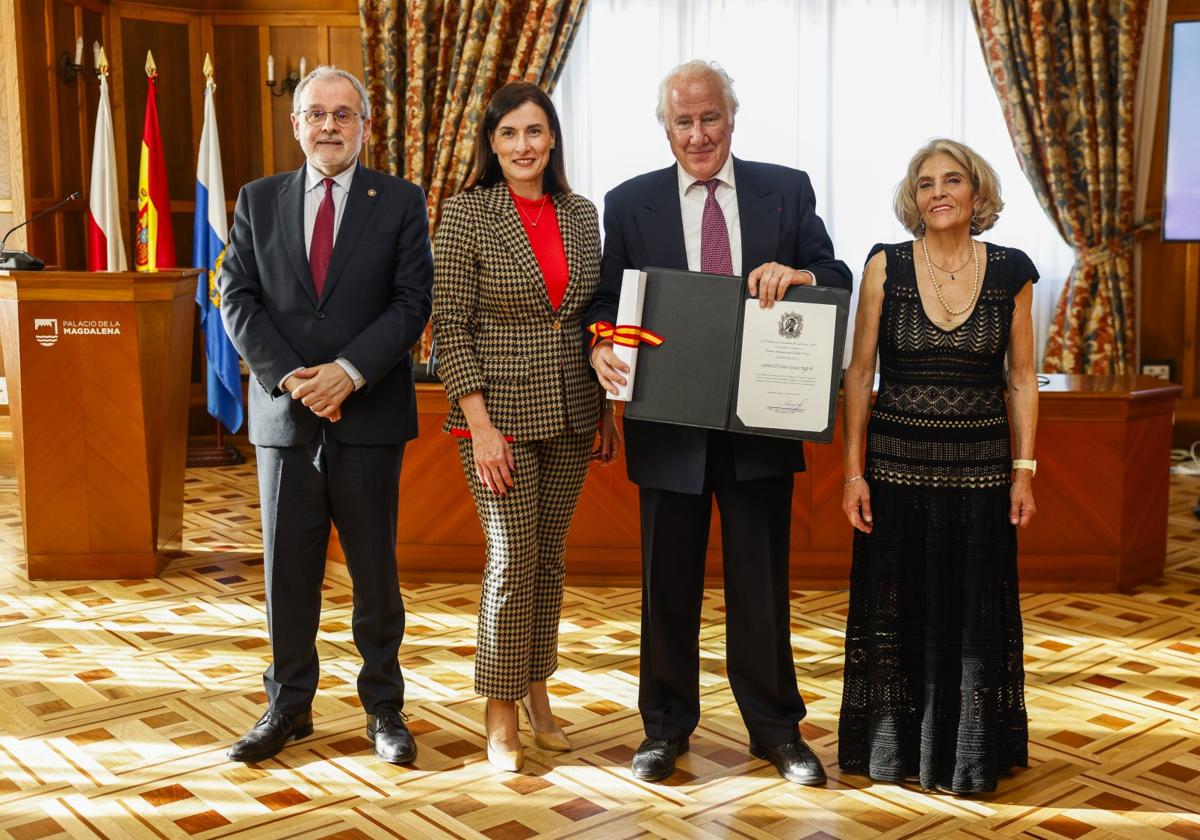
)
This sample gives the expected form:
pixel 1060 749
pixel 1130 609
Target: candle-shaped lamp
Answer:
pixel 270 69
pixel 303 66
pixel 79 51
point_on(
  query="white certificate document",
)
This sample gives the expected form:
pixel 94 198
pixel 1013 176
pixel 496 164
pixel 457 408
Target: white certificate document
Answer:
pixel 629 314
pixel 786 365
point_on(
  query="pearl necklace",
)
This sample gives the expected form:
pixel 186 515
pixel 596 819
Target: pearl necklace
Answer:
pixel 937 287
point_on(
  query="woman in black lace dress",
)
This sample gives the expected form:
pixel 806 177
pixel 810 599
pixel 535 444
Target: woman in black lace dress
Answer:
pixel 934 684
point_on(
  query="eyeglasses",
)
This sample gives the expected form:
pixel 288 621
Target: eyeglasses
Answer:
pixel 316 116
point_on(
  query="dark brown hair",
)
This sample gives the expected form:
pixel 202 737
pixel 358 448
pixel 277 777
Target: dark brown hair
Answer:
pixel 513 95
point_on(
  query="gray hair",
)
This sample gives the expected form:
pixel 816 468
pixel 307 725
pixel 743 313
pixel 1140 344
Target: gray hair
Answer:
pixel 691 71
pixel 329 71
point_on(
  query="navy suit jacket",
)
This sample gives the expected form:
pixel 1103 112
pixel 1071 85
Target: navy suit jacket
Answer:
pixel 372 309
pixel 643 226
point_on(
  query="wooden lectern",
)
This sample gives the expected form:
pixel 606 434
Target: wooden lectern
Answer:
pixel 98 369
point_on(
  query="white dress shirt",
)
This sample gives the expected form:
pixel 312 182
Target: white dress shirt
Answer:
pixel 692 196
pixel 314 194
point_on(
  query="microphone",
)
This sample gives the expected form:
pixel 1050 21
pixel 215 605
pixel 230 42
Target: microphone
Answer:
pixel 22 260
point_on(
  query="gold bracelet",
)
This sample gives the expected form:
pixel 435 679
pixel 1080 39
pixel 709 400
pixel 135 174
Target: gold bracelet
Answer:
pixel 852 479
pixel 1025 464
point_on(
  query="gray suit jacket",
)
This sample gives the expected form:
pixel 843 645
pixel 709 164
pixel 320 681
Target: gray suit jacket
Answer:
pixel 372 310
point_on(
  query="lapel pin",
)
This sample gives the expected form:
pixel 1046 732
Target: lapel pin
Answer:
pixel 371 192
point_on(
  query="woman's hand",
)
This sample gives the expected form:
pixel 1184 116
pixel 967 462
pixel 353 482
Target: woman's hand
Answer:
pixel 856 502
pixel 494 462
pixel 1021 507
pixel 610 437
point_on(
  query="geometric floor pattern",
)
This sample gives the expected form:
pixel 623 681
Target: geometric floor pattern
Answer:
pixel 119 698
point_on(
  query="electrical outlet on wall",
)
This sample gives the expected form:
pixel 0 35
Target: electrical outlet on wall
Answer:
pixel 1159 371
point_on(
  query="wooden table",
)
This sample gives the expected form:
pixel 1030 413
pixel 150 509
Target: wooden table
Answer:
pixel 1103 450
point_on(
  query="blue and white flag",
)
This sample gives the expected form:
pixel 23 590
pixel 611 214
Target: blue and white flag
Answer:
pixel 210 233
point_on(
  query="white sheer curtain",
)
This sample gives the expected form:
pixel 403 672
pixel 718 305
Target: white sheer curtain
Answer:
pixel 846 90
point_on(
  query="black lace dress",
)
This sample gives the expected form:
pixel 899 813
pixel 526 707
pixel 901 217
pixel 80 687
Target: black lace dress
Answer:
pixel 934 683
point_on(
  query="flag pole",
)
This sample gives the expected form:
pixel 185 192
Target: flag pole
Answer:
pixel 223 453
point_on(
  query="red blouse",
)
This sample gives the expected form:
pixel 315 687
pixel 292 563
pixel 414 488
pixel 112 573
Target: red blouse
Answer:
pixel 541 226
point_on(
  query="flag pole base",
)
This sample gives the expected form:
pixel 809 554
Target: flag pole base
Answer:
pixel 224 455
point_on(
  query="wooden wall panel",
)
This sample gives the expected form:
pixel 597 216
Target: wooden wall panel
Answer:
pixel 6 169
pixel 36 78
pixel 72 226
pixel 12 182
pixel 240 84
pixel 288 44
pixel 71 101
pixel 178 73
pixel 345 49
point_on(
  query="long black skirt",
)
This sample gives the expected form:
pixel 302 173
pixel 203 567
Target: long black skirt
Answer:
pixel 934 680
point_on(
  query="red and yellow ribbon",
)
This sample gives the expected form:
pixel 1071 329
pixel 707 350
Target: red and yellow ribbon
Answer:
pixel 626 335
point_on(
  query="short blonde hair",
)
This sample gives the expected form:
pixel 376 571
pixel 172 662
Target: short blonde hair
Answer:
pixel 691 71
pixel 984 183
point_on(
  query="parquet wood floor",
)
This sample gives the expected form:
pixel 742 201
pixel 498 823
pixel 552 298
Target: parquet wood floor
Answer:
pixel 118 699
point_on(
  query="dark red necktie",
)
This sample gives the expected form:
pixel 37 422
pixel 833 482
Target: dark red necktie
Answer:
pixel 322 240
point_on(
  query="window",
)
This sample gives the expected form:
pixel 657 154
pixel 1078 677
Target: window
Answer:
pixel 844 90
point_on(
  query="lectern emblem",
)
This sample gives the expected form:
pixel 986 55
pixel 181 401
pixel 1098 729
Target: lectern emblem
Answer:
pixel 45 330
pixel 791 324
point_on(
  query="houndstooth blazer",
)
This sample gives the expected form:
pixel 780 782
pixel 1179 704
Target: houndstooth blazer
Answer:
pixel 495 329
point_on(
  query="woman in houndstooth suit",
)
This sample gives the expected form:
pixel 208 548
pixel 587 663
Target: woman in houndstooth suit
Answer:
pixel 517 260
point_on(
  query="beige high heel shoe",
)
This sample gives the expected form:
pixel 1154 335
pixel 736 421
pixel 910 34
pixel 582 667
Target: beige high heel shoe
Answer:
pixel 500 757
pixel 554 740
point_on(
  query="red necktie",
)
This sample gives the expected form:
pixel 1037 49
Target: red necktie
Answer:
pixel 715 254
pixel 322 240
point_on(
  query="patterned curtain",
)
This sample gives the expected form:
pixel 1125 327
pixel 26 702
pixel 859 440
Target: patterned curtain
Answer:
pixel 1066 72
pixel 432 65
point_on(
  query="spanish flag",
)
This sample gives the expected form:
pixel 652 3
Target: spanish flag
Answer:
pixel 154 245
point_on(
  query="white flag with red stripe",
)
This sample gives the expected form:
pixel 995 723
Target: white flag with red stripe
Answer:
pixel 106 248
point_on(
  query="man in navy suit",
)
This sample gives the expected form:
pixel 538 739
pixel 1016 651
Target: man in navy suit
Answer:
pixel 712 212
pixel 326 285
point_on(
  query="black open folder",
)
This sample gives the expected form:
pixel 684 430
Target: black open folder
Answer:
pixel 692 378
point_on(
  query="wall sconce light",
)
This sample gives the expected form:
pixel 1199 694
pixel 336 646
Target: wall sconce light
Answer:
pixel 69 70
pixel 288 85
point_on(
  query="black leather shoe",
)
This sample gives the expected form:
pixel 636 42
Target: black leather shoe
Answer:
pixel 655 758
pixel 270 735
pixel 387 729
pixel 794 761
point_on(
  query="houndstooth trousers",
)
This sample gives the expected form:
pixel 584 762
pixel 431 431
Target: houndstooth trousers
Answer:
pixel 526 531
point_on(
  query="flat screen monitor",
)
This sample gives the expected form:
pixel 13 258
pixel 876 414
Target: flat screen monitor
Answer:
pixel 1181 192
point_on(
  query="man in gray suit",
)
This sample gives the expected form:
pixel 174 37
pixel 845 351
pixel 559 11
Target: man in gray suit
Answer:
pixel 326 285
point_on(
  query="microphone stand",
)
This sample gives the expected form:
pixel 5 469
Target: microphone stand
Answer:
pixel 23 260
